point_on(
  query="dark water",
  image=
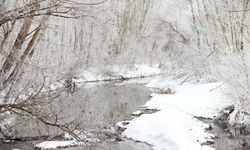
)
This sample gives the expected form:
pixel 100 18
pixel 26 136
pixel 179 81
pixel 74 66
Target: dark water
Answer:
pixel 95 106
pixel 225 140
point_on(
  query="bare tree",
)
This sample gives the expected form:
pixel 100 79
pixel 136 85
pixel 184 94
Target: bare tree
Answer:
pixel 29 13
pixel 20 30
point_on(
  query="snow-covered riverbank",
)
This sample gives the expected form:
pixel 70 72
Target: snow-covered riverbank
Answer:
pixel 174 126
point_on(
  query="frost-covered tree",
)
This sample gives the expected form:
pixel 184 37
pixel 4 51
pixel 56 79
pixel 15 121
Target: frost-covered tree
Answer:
pixel 42 40
pixel 22 27
pixel 222 31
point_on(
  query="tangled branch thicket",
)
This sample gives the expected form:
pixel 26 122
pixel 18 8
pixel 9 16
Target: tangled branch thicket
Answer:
pixel 22 25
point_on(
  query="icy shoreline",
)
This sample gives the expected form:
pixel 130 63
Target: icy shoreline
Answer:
pixel 175 126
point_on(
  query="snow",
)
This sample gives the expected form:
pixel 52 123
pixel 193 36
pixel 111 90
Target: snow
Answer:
pixel 200 100
pixel 88 138
pixel 56 144
pixel 138 71
pixel 109 73
pixel 56 85
pixel 168 129
pixel 161 82
pixel 175 127
pixel 116 72
pixel 137 113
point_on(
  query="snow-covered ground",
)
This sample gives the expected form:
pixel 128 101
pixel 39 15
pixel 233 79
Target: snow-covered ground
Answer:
pixel 109 73
pixel 117 72
pixel 201 100
pixel 175 127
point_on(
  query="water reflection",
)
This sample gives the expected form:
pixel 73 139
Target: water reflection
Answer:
pixel 95 106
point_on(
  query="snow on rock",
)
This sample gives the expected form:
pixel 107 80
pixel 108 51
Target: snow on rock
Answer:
pixel 88 138
pixel 175 127
pixel 137 113
pixel 55 144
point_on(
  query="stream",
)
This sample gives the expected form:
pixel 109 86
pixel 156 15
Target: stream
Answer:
pixel 97 106
pixel 101 105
